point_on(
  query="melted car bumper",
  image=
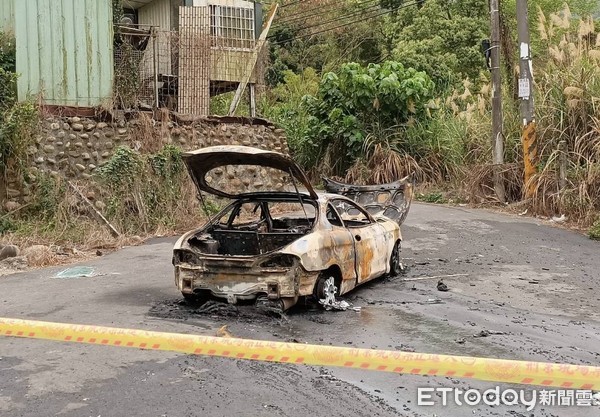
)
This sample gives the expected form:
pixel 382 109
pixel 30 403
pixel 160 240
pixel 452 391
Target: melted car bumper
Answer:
pixel 235 284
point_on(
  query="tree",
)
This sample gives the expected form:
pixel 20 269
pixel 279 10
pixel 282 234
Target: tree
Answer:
pixel 323 35
pixel 441 38
pixel 358 101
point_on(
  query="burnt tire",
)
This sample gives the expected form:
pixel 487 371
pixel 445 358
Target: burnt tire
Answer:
pixel 326 289
pixel 395 260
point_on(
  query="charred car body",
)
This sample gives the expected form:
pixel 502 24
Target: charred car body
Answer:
pixel 274 247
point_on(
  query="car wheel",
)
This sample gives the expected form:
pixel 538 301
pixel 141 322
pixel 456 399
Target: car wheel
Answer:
pixel 396 267
pixel 326 290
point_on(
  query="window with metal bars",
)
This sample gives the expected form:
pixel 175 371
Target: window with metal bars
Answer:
pixel 232 27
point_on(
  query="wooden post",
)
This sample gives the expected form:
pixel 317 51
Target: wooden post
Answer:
pixel 497 138
pixel 252 92
pixel 155 58
pixel 260 43
pixel 562 162
pixel 528 137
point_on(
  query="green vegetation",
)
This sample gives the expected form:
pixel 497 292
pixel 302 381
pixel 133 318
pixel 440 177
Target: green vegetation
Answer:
pixel 432 197
pixel 568 89
pixel 118 12
pixel 140 194
pixel 147 192
pixel 299 42
pixel 8 53
pixel 354 107
pixel 441 38
pixel 594 231
pixel 50 216
pixel 284 104
pixel 127 75
pixel 17 119
pixel 419 99
pixel 367 92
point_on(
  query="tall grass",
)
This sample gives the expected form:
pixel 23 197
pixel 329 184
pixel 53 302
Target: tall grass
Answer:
pixel 140 194
pixel 568 99
pixel 148 193
pixel 452 145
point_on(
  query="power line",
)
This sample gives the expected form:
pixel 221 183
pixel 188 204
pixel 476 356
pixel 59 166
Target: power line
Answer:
pixel 341 18
pixel 310 11
pixel 315 11
pixel 292 3
pixel 315 16
pixel 413 3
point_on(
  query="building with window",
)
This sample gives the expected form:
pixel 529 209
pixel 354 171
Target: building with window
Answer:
pixel 233 26
pixel 161 53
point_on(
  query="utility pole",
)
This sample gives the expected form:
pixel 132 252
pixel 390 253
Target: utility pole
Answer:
pixel 528 136
pixel 497 138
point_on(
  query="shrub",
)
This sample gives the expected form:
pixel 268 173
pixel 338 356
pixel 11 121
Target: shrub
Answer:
pixel 17 120
pixel 284 106
pixel 148 192
pixel 359 101
pixel 594 231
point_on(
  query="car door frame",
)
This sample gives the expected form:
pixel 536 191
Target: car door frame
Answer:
pixel 369 242
pixel 343 242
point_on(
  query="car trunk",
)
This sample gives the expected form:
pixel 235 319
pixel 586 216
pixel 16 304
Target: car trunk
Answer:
pixel 201 164
pixel 235 242
pixel 248 232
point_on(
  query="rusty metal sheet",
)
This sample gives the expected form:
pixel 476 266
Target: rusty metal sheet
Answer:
pixel 391 200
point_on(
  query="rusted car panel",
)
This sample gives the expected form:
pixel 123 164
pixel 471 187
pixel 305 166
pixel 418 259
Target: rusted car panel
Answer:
pixel 390 200
pixel 280 246
pixel 202 161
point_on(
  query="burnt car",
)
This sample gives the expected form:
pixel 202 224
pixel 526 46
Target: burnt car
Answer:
pixel 274 247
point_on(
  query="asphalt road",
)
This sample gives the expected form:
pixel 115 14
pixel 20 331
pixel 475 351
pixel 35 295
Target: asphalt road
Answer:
pixel 536 284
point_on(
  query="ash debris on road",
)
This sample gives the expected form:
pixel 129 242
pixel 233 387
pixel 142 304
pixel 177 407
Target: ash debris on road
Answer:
pixel 182 310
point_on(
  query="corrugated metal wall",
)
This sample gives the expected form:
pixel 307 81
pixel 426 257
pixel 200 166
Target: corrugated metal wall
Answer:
pixel 65 51
pixel 158 14
pixel 7 15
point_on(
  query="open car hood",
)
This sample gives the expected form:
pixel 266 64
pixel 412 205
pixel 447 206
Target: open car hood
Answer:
pixel 201 161
pixel 391 200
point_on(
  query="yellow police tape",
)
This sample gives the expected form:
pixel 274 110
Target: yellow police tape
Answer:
pixel 497 370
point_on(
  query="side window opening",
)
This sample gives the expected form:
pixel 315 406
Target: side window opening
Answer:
pixel 332 216
pixel 352 215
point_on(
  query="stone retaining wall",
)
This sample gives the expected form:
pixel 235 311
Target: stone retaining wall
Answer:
pixel 75 147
